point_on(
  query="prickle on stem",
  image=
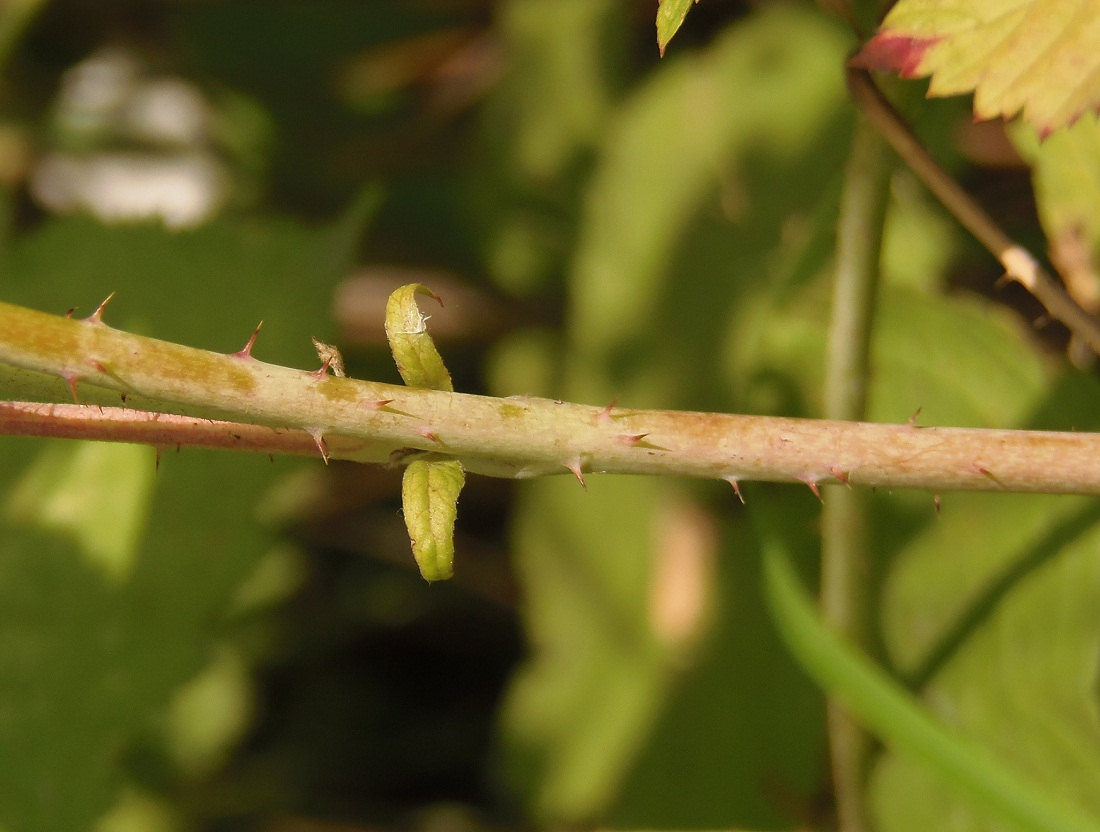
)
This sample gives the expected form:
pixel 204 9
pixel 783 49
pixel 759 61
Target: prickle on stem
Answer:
pixel 319 441
pixel 604 416
pixel 97 316
pixel 812 485
pixel 574 467
pixel 736 483
pixel 246 352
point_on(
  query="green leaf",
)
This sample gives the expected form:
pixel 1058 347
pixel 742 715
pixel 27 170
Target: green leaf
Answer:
pixel 1065 171
pixel 1039 56
pixel 429 501
pixel 685 215
pixel 417 359
pixel 117 579
pixel 429 488
pixel 670 16
pixel 964 767
pixel 992 611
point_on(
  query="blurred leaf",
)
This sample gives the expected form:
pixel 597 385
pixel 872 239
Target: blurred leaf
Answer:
pixel 63 492
pixel 1066 177
pixel 670 16
pixel 1039 56
pixel 208 715
pixel 1037 635
pixel 999 587
pixel 97 641
pixel 657 276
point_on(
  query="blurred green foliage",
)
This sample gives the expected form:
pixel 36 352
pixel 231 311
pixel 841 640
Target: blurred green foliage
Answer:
pixel 229 643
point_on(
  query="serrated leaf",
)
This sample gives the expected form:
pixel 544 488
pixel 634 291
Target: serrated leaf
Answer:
pixel 429 501
pixel 670 16
pixel 1038 56
pixel 417 359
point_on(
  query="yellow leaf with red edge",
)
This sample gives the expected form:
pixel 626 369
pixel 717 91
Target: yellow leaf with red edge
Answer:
pixel 1041 57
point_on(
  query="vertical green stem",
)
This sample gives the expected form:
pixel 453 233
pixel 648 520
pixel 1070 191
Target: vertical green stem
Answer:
pixel 970 770
pixel 844 557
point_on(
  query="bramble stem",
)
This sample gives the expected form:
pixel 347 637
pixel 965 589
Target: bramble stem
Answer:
pixel 528 437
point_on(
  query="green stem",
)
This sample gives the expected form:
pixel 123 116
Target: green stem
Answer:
pixel 844 566
pixel 524 436
pixel 890 712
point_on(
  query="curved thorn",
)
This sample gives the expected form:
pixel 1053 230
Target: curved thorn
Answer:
pixel 71 379
pixel 574 467
pixel 322 371
pixel 97 316
pixel 247 351
pixel 604 416
pixel 736 488
pixel 378 405
pixel 812 485
pixel 319 441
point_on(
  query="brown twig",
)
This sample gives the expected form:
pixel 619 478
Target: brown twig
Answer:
pixel 1018 262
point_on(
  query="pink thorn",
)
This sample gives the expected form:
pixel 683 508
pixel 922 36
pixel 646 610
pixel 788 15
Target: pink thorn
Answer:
pixel 319 441
pixel 913 419
pixel 985 472
pixel 429 435
pixel 71 379
pixel 936 503
pixel 437 299
pixel 840 475
pixel 575 468
pixel 323 371
pixel 631 438
pixel 736 488
pixel 812 485
pixel 97 316
pixel 247 351
pixel 379 405
pixel 69 314
pixel 604 415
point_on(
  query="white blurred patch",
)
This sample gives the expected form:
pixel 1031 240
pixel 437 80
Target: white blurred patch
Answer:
pixel 183 191
pixel 106 102
pixel 167 110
